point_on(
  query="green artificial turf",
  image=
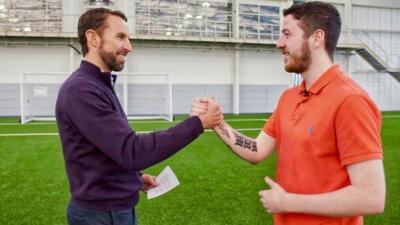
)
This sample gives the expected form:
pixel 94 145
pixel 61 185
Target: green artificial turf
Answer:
pixel 215 187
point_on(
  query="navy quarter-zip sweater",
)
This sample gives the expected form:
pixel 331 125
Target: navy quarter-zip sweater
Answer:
pixel 102 153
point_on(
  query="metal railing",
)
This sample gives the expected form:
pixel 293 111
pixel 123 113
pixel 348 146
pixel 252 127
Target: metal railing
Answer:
pixel 184 28
pixel 209 28
pixel 392 61
pixel 55 24
pixel 31 16
pixel 154 27
pixel 181 27
pixel 189 27
pixel 260 31
pixel 53 27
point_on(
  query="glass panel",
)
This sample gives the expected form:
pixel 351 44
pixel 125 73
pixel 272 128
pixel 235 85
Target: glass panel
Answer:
pixel 269 20
pixel 186 17
pixel 260 24
pixel 31 16
pixel 269 10
pixel 246 18
pixel 248 8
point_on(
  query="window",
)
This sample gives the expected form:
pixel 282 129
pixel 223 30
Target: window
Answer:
pixel 258 21
pixel 31 15
pixel 184 18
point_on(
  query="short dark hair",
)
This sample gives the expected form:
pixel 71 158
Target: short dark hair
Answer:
pixel 94 19
pixel 318 15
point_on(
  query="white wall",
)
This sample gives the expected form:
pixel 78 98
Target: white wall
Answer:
pixel 209 66
pixel 262 68
pixel 71 11
pixel 188 66
pixel 382 25
pixel 15 60
pixel 199 71
pixel 367 18
pixel 196 72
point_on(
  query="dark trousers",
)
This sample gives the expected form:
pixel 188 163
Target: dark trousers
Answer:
pixel 77 215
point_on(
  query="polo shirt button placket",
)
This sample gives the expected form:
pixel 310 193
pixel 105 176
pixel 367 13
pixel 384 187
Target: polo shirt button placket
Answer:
pixel 297 111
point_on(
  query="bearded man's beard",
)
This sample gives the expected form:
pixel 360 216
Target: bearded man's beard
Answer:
pixel 300 61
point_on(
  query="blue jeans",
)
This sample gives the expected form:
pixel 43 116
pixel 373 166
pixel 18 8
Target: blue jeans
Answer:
pixel 77 215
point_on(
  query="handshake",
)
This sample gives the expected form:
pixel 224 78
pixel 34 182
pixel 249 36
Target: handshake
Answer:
pixel 208 110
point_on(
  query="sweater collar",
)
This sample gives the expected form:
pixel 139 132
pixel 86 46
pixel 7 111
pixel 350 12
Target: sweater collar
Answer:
pixel 94 71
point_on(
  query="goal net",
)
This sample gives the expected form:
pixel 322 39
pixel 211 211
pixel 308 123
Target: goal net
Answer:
pixel 38 95
pixel 143 96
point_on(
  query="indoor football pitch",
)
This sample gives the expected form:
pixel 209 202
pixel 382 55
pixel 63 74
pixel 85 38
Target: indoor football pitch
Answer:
pixel 216 187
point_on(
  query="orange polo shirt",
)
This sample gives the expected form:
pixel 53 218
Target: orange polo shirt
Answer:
pixel 319 133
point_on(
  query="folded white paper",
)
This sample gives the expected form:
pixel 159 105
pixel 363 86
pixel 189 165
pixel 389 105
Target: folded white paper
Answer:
pixel 167 181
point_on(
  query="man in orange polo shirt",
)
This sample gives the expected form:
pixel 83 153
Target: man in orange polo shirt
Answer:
pixel 326 131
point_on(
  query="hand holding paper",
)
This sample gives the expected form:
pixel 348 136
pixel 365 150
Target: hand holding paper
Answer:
pixel 167 181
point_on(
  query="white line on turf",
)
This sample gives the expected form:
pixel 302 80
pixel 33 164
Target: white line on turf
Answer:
pixel 14 124
pixel 391 116
pixel 139 132
pixel 135 122
pixel 163 121
pixel 28 134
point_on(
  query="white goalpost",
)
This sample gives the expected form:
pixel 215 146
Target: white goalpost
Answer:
pixel 142 95
pixel 38 95
pixel 146 95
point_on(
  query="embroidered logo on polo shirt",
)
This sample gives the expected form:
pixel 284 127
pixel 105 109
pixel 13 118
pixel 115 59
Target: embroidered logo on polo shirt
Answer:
pixel 310 130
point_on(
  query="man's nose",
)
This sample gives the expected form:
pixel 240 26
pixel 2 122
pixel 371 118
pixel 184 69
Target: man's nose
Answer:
pixel 128 45
pixel 280 43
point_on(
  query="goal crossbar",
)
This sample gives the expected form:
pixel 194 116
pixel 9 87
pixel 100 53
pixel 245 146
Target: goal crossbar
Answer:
pixel 142 95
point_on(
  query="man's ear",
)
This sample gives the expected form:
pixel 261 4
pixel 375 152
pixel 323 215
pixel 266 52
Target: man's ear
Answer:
pixel 318 38
pixel 93 39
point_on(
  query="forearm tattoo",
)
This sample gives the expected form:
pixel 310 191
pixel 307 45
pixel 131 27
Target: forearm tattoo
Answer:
pixel 224 130
pixel 244 142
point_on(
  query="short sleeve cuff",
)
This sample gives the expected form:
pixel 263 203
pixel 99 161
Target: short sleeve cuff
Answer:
pixel 361 158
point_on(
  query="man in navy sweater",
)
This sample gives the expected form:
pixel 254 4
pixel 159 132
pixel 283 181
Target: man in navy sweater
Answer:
pixel 103 155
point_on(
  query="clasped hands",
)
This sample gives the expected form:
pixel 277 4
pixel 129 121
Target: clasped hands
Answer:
pixel 209 112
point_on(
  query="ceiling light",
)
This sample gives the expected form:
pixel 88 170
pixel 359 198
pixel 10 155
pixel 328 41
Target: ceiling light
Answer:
pixel 258 27
pixel 100 2
pixel 275 21
pixel 168 33
pixel 199 17
pixel 188 16
pixel 2 15
pixel 27 29
pixel 2 7
pixel 206 4
pixel 17 29
pixel 13 19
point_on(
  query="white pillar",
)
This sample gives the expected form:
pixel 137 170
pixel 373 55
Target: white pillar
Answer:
pixel 131 14
pixel 347 62
pixel 128 8
pixel 236 82
pixel 347 20
pixel 71 11
pixel 235 19
pixel 71 59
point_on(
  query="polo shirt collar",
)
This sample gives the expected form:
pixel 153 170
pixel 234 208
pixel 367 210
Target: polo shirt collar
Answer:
pixel 323 81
